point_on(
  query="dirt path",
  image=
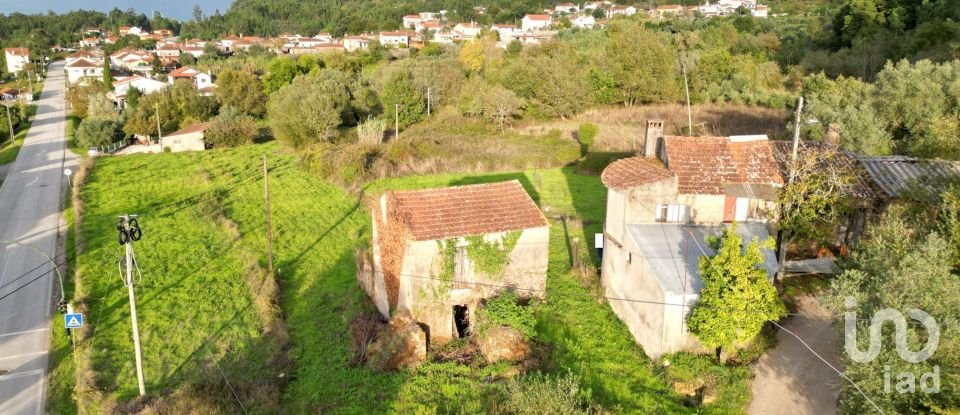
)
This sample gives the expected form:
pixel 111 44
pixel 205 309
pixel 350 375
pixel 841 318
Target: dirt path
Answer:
pixel 790 379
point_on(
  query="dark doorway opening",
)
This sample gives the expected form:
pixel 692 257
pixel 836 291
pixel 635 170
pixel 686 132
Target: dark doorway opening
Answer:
pixel 461 318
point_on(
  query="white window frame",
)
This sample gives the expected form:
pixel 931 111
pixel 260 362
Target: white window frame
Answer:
pixel 672 213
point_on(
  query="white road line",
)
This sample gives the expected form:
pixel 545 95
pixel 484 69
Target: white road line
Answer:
pixel 23 332
pixel 16 375
pixel 17 356
pixel 34 181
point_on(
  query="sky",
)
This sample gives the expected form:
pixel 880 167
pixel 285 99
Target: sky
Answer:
pixel 178 9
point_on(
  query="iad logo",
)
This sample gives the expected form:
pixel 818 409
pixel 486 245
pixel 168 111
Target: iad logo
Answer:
pixel 906 381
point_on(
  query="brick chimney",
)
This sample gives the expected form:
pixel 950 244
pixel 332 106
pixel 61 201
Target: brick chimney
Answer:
pixel 652 136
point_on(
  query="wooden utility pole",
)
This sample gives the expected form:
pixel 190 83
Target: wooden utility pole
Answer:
pixel 796 140
pixel 266 205
pixel 783 236
pixel 428 101
pixel 159 132
pixel 683 68
pixel 396 122
pixel 128 238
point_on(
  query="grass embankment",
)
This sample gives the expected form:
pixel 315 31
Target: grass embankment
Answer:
pixel 73 122
pixel 10 150
pixel 193 291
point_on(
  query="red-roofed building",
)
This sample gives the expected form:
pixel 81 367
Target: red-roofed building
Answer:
pixel 200 80
pixel 431 252
pixel 535 22
pixel 661 207
pixel 16 58
pixel 81 68
pixel 187 139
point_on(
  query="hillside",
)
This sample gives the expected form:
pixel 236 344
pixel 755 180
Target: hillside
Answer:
pixel 204 303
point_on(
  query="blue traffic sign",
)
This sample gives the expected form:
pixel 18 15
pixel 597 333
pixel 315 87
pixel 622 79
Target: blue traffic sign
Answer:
pixel 73 321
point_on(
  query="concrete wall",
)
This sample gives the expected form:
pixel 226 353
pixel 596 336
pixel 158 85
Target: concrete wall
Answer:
pixel 431 300
pixel 704 209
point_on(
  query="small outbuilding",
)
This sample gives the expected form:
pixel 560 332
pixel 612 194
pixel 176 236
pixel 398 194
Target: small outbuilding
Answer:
pixel 438 253
pixel 187 139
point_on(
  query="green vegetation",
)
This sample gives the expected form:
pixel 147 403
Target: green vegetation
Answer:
pixel 10 149
pixel 210 264
pixel 504 310
pixel 73 122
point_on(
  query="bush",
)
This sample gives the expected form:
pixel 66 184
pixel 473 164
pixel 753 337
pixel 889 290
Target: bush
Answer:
pixel 310 109
pixel 504 310
pixel 538 394
pixel 230 129
pixel 586 133
pixel 370 132
pixel 98 132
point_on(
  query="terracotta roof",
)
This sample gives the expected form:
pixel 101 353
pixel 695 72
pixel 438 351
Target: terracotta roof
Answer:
pixel 182 72
pixel 394 34
pixel 82 63
pixel 703 165
pixel 670 7
pixel 537 17
pixel 128 79
pixel 470 210
pixel 632 172
pixel 17 51
pixel 191 129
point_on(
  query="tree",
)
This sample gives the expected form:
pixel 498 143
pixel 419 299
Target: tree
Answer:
pixel 501 105
pixel 550 80
pixel 280 73
pixel 309 110
pixel 644 73
pixel 241 90
pixel 736 299
pixel 187 59
pixel 400 93
pixel 481 55
pixel 100 107
pixel 107 76
pixel 133 98
pixel 230 129
pixel 96 132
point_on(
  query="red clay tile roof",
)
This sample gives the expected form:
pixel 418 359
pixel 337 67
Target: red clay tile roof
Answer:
pixel 537 17
pixel 470 210
pixel 191 129
pixel 17 51
pixel 703 165
pixel 83 63
pixel 632 172
pixel 182 72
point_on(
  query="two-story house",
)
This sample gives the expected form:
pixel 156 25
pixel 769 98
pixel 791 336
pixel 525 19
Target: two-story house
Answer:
pixel 661 206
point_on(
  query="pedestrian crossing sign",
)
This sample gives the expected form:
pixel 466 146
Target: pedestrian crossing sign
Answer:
pixel 73 320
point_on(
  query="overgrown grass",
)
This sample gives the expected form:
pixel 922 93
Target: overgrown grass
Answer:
pixel 10 150
pixel 193 292
pixel 73 122
pixel 61 377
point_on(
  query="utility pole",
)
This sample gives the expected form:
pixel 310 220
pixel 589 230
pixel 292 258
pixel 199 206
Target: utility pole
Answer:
pixel 428 101
pixel 266 204
pixel 396 122
pixel 9 119
pixel 796 139
pixel 783 237
pixel 129 234
pixel 159 133
pixel 686 87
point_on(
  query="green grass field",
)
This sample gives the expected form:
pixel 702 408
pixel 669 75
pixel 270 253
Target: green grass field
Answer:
pixel 8 150
pixel 204 237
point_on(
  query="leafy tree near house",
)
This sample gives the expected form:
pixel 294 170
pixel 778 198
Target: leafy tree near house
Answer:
pixel 644 73
pixel 107 76
pixel 241 90
pixel 401 96
pixel 133 99
pixel 231 128
pixel 736 299
pixel 95 132
pixel 280 73
pixel 310 109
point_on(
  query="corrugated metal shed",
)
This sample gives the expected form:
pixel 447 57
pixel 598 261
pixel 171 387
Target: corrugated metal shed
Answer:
pixel 894 174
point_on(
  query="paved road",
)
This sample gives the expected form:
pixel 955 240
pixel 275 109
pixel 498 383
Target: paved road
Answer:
pixel 791 380
pixel 30 214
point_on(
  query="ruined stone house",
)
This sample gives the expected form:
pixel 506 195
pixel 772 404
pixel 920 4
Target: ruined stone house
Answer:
pixel 661 207
pixel 438 253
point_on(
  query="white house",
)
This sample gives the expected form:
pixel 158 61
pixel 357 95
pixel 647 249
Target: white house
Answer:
pixel 584 21
pixel 661 207
pixel 324 37
pixel 144 85
pixel 169 51
pixel 352 43
pixel 621 11
pixel 196 51
pixel 89 42
pixel 760 11
pixel 466 30
pixel 187 139
pixel 16 58
pixel 505 31
pixel 200 80
pixel 535 22
pixel 411 21
pixel 566 8
pixel 83 68
pixel 395 39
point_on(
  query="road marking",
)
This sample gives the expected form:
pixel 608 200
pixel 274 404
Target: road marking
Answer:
pixel 34 181
pixel 17 356
pixel 22 332
pixel 16 375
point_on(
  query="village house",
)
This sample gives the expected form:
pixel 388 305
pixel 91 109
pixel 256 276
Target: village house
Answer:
pixel 317 49
pixel 535 22
pixel 464 30
pixel 394 39
pixel 324 37
pixel 89 42
pixel 593 5
pixel 9 94
pixel 584 21
pixel 661 207
pixel 196 51
pixel 353 43
pixel 169 51
pixel 438 253
pixel 430 25
pixel 621 11
pixel 90 55
pixel 200 80
pixel 142 84
pixel 411 21
pixel 669 10
pixel 566 8
pixel 760 11
pixel 505 32
pixel 16 59
pixel 82 68
pixel 187 139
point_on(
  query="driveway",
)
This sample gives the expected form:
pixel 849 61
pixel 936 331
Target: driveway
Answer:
pixel 30 200
pixel 791 380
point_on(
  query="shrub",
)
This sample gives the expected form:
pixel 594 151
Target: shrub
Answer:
pixel 370 132
pixel 230 129
pixel 309 109
pixel 538 394
pixel 586 133
pixel 98 132
pixel 504 310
